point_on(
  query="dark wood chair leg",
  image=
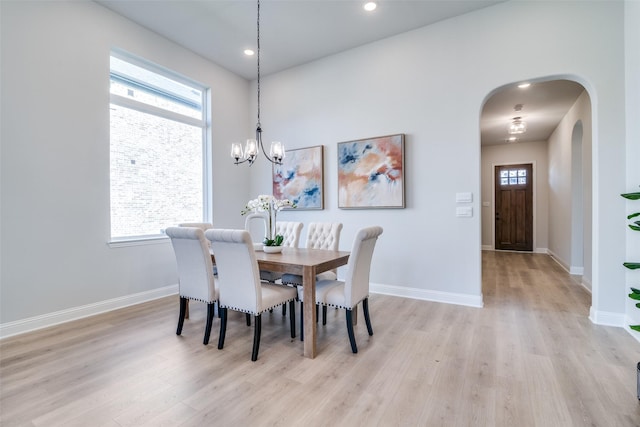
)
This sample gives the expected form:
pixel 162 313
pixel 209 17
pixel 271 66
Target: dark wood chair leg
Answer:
pixel 367 319
pixel 223 327
pixel 317 314
pixel 301 322
pixel 352 338
pixel 256 337
pixel 248 316
pixel 324 314
pixel 284 309
pixel 211 309
pixel 183 310
pixel 292 317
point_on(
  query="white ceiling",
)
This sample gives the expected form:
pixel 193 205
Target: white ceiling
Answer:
pixel 295 32
pixel 544 104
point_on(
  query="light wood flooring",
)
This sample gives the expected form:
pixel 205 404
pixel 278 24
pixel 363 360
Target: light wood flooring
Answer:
pixel 530 357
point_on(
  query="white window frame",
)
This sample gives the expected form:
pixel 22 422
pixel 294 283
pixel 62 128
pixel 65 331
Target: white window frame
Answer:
pixel 204 123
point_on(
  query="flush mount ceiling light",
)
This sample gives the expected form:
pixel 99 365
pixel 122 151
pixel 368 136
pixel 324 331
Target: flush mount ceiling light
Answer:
pixel 253 146
pixel 249 52
pixel 517 126
pixel 524 85
pixel 370 6
pixel 512 139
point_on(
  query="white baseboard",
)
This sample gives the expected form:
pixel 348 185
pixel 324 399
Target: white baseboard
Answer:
pixel 633 333
pixel 577 271
pixel 423 294
pixel 537 250
pixel 605 318
pixel 557 259
pixel 51 319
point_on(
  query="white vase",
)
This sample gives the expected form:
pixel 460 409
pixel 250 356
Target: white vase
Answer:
pixel 272 249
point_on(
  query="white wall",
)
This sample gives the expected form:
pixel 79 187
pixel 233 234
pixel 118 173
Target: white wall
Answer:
pixel 55 157
pixel 527 152
pixel 429 84
pixel 561 190
pixel 632 106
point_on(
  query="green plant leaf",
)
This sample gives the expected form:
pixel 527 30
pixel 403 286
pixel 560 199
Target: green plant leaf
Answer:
pixel 632 265
pixel 278 240
pixel 635 291
pixel 635 327
pixel 635 296
pixel 638 305
pixel 635 227
pixel 631 196
pixel 633 215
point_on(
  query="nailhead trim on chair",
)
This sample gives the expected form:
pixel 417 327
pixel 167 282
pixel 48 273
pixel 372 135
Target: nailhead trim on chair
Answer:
pixel 251 312
pixel 198 299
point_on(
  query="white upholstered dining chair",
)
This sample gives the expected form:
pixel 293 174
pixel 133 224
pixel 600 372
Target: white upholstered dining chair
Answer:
pixel 204 226
pixel 290 231
pixel 355 288
pixel 240 286
pixel 320 235
pixel 195 272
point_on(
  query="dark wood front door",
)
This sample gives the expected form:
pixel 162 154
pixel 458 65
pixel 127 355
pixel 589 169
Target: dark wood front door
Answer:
pixel 514 207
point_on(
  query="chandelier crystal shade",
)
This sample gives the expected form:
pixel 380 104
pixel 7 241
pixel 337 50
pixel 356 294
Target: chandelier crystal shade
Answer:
pixel 517 126
pixel 253 147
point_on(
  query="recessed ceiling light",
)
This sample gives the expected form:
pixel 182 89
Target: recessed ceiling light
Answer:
pixel 370 6
pixel 512 139
pixel 524 85
pixel 249 52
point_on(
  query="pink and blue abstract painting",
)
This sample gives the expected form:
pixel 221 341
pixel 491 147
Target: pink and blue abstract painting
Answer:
pixel 371 173
pixel 300 177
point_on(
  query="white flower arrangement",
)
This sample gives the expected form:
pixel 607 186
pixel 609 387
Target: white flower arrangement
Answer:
pixel 271 205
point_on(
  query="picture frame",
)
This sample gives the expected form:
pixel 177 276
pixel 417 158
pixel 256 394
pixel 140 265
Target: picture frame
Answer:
pixel 300 178
pixel 371 173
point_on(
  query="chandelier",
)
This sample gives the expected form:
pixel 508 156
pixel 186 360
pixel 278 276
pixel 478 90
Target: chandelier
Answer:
pixel 254 146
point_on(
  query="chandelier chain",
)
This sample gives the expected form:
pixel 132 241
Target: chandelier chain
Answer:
pixel 254 146
pixel 258 43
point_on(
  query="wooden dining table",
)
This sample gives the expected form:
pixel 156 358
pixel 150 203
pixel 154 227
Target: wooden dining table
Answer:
pixel 306 263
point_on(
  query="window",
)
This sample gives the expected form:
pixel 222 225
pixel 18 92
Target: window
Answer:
pixel 159 149
pixel 513 177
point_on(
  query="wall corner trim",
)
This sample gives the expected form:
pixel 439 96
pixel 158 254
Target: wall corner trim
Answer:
pixel 606 318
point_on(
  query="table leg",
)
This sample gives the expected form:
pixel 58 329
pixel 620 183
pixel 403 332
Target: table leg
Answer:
pixel 309 315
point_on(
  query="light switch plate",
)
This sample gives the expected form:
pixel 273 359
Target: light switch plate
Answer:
pixel 464 197
pixel 464 211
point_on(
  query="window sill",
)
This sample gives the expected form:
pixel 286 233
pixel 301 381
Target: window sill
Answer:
pixel 138 241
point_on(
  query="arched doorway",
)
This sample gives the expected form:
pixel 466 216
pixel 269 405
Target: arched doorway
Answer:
pixel 560 152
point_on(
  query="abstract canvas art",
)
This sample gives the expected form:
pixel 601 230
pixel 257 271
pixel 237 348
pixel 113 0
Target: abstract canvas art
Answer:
pixel 371 173
pixel 300 177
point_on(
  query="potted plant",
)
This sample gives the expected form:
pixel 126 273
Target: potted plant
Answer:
pixel 266 203
pixel 635 293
